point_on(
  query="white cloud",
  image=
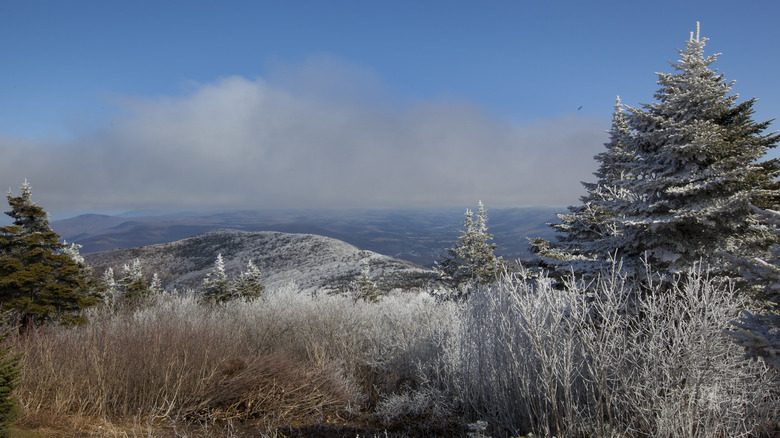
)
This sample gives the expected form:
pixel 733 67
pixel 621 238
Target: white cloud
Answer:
pixel 323 134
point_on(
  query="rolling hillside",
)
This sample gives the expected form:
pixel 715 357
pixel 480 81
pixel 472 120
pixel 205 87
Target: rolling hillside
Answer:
pixel 312 262
pixel 417 235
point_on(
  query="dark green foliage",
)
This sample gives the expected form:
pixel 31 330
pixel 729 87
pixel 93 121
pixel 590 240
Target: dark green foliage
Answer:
pixel 9 377
pixel 39 281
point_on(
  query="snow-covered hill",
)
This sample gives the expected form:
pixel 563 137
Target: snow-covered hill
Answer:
pixel 418 235
pixel 314 263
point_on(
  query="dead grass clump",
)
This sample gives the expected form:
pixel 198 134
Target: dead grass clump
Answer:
pixel 273 387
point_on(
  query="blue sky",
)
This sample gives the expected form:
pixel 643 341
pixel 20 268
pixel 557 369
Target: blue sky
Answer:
pixel 254 104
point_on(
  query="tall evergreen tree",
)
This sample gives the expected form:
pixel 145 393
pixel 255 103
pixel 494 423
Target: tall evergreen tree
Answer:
pixel 472 259
pixel 759 330
pixel 679 181
pixel 39 281
pixel 697 172
pixel 588 233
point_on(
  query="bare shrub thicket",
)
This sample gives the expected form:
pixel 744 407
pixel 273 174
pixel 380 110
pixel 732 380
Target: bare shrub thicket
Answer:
pixel 607 362
pixel 291 357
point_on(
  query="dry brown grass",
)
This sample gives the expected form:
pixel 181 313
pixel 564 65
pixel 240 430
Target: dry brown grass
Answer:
pixel 188 365
pixel 286 364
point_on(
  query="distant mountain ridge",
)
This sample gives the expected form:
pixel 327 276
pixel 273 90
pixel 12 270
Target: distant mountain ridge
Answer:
pixel 313 263
pixel 416 235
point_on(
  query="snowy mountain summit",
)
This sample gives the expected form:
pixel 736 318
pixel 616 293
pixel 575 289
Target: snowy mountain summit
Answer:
pixel 314 263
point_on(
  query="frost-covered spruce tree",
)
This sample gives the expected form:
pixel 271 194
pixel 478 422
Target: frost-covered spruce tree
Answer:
pixel 364 287
pixel 472 260
pixel 132 289
pixel 73 251
pixel 759 330
pixel 155 286
pixel 696 174
pixel 216 286
pixel 588 233
pixel 107 286
pixel 248 284
pixel 39 281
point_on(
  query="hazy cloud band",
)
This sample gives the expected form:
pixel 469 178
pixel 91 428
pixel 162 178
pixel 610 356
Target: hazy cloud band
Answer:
pixel 324 134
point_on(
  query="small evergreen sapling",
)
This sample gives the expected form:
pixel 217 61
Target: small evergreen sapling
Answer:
pixel 364 288
pixel 218 288
pixel 108 288
pixel 155 286
pixel 132 288
pixel 131 291
pixel 248 285
pixel 472 260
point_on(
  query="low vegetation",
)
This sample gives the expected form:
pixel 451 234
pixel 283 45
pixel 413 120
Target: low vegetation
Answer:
pixel 289 359
pixel 520 356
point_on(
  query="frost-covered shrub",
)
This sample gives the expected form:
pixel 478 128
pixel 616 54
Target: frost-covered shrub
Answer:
pixel 683 375
pixel 605 361
pixel 517 361
pixel 424 409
